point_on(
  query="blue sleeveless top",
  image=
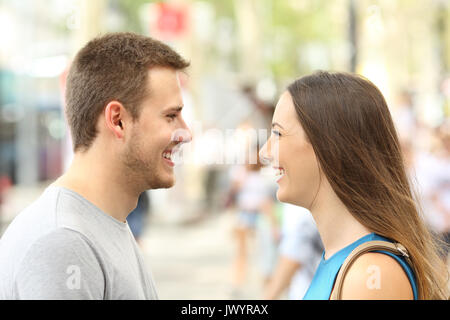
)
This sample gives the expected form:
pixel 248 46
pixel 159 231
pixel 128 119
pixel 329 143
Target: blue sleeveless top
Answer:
pixel 326 273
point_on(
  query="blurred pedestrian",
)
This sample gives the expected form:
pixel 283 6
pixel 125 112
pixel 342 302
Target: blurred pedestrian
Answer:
pixel 5 184
pixel 404 116
pixel 123 106
pixel 300 251
pixel 339 156
pixel 441 196
pixel 253 198
pixel 432 170
pixel 137 218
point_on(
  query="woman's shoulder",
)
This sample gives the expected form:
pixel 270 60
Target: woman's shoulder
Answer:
pixel 374 276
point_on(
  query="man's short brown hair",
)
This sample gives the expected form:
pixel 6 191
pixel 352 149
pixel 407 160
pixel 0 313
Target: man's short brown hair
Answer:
pixel 112 67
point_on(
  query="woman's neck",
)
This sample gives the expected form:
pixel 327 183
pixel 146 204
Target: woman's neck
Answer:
pixel 336 225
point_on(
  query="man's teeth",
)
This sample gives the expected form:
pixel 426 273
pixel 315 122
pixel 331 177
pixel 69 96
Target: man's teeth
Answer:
pixel 167 155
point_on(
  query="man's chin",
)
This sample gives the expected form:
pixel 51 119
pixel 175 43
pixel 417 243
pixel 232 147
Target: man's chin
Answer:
pixel 163 184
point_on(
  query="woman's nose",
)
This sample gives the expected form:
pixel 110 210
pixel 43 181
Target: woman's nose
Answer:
pixel 264 155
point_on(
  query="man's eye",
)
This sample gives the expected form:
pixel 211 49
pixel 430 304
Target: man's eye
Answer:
pixel 172 116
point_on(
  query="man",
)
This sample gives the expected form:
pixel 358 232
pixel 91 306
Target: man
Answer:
pixel 123 106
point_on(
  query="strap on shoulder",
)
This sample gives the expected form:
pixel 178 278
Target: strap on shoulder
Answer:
pixel 395 248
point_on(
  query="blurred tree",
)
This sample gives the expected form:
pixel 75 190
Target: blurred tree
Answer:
pixel 130 11
pixel 291 28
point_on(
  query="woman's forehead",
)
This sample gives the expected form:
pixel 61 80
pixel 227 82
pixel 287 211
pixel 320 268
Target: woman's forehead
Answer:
pixel 284 111
pixel 286 116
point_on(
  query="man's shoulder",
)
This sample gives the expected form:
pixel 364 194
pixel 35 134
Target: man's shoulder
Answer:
pixel 61 237
pixel 56 244
pixel 31 223
pixel 44 223
pixel 44 253
pixel 47 268
pixel 64 209
pixel 51 210
pixel 59 247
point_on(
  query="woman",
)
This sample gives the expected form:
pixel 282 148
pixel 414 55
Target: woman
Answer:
pixel 334 144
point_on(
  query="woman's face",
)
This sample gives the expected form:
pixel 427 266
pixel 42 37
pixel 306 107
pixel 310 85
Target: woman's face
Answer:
pixel 292 156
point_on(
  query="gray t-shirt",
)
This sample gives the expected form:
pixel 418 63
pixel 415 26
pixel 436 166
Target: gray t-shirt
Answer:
pixel 64 247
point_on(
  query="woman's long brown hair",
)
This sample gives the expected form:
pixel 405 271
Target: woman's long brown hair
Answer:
pixel 349 126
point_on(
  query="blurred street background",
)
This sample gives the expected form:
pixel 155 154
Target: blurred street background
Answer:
pixel 243 53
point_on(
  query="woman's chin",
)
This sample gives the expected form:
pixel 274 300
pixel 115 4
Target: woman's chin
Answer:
pixel 282 196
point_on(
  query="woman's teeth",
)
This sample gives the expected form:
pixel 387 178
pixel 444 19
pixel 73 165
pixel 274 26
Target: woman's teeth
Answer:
pixel 167 155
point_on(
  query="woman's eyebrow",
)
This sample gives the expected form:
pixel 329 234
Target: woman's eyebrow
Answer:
pixel 277 124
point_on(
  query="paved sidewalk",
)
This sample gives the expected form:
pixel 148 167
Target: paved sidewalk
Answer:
pixel 194 261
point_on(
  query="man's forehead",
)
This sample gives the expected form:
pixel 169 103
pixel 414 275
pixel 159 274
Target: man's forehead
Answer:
pixel 164 81
pixel 164 72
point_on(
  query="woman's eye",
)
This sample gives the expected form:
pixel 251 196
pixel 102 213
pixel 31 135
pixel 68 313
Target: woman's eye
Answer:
pixel 172 116
pixel 277 133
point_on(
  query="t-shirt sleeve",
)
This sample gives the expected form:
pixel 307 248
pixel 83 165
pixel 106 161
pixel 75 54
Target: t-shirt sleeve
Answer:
pixel 60 265
pixel 298 239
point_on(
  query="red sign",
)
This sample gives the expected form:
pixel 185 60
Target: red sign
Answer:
pixel 171 20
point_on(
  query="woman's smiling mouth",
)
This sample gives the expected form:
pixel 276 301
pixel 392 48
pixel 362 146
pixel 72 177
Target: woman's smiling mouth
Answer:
pixel 279 173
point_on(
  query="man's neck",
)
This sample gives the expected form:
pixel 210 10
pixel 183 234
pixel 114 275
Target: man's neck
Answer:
pixel 336 225
pixel 100 184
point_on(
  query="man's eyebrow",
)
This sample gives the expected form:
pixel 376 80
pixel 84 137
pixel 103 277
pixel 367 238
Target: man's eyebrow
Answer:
pixel 174 109
pixel 277 124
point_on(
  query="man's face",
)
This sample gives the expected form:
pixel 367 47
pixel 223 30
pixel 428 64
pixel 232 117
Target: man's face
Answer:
pixel 156 132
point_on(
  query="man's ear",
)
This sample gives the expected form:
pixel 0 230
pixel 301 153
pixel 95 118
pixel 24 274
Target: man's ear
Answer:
pixel 115 114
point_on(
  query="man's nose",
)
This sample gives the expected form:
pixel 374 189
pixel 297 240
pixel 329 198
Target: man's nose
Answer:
pixel 188 134
pixel 183 134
